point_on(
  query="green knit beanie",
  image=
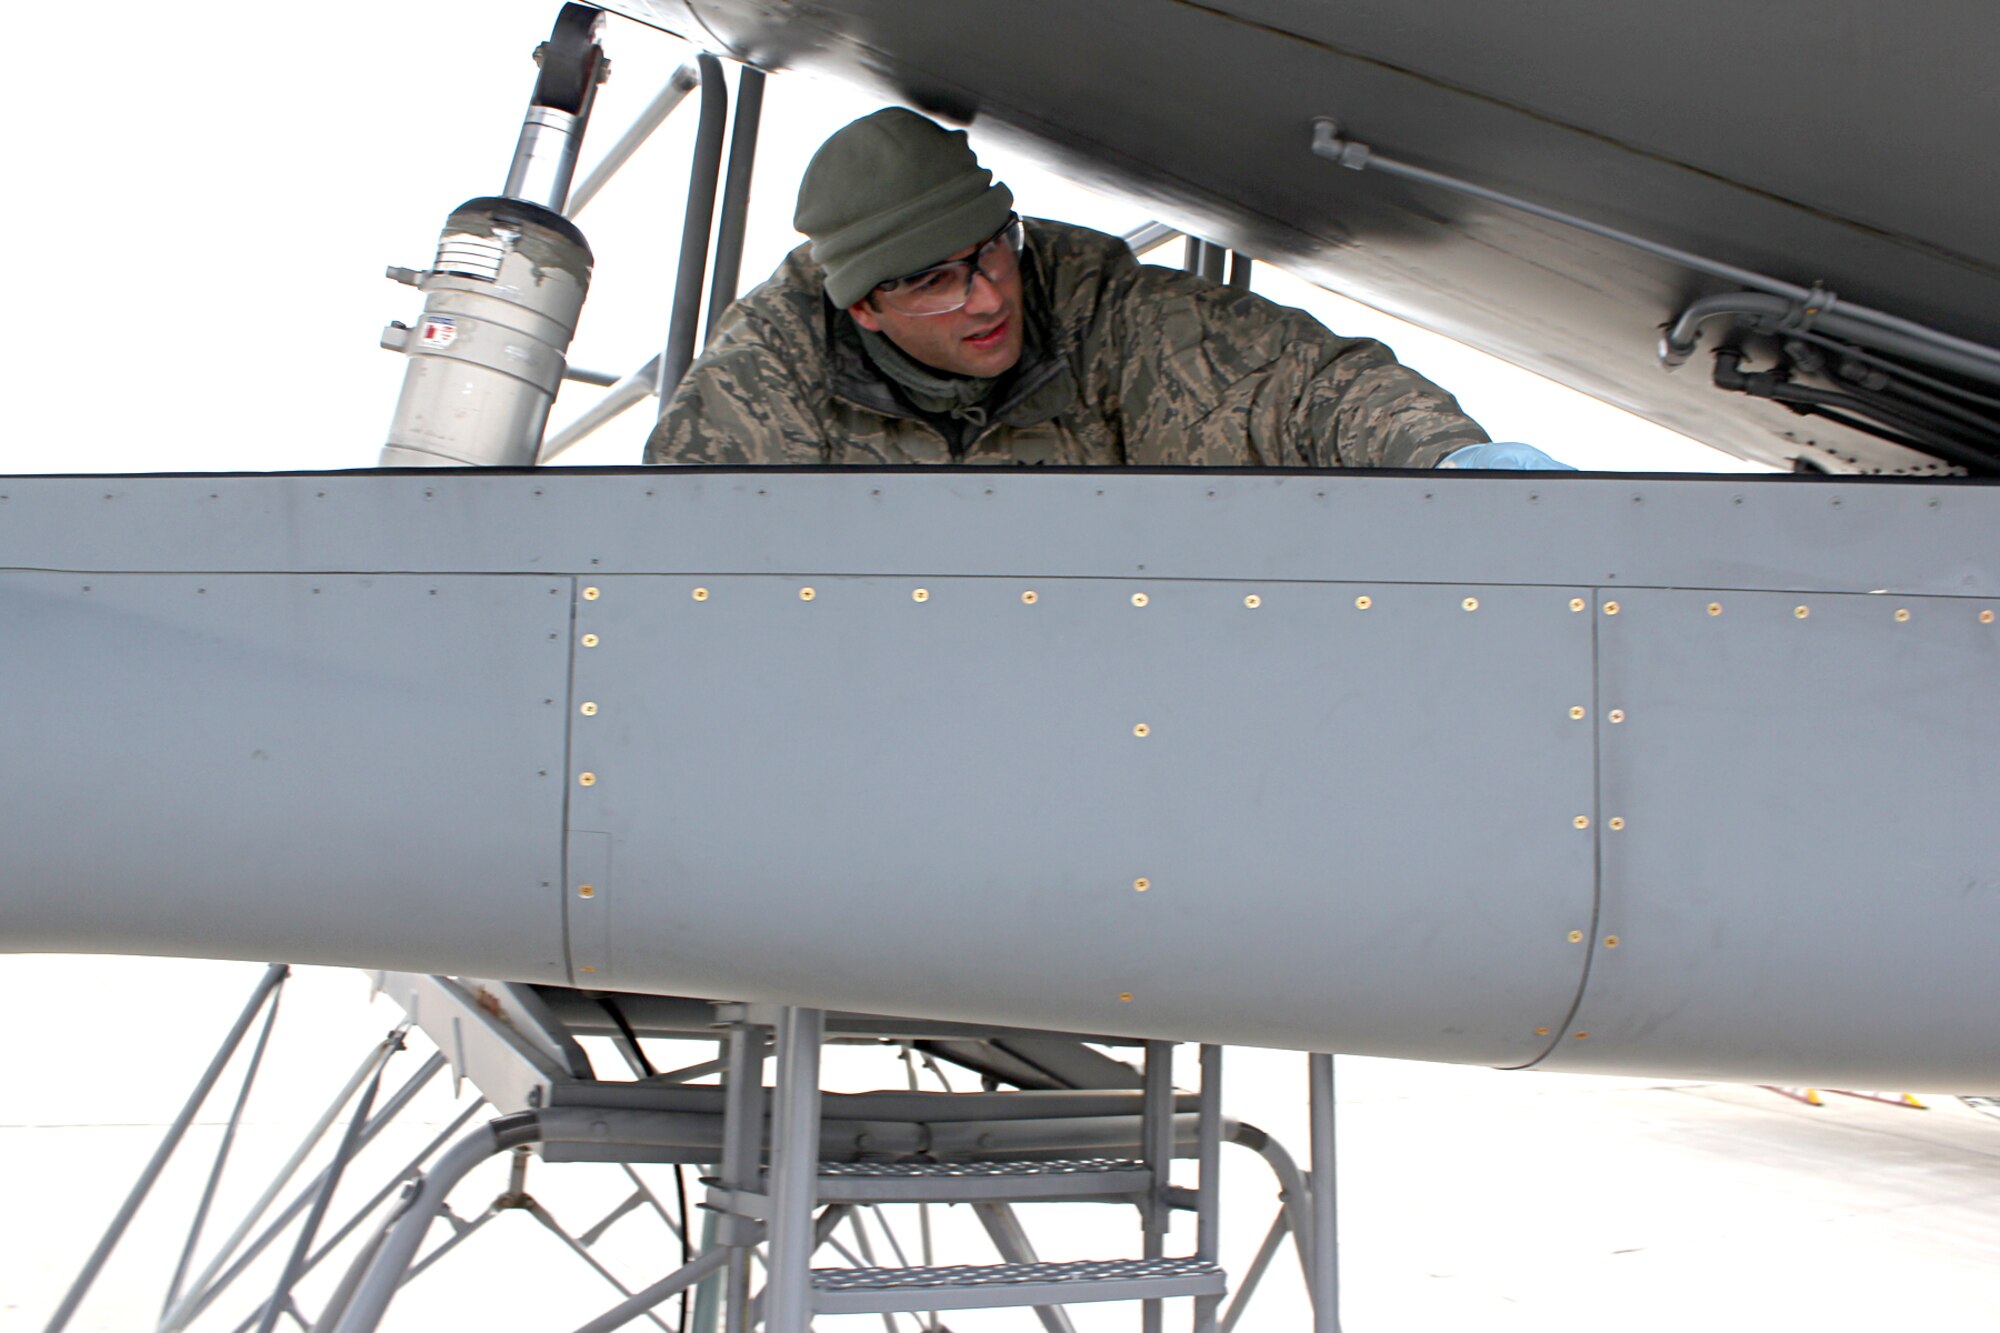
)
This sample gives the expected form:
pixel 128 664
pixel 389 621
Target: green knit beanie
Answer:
pixel 890 194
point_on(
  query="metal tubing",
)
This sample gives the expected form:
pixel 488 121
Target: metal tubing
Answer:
pixel 1678 343
pixel 794 1170
pixel 1327 143
pixel 426 1198
pixel 291 1210
pixel 644 1193
pixel 1204 259
pixel 1157 1138
pixel 1209 1153
pixel 859 1226
pixel 1148 237
pixel 222 1155
pixel 672 93
pixel 542 1215
pixel 694 229
pixel 343 1291
pixel 323 1197
pixel 1011 1240
pixel 1211 261
pixel 182 1313
pixel 728 270
pixel 1240 265
pixel 460 1235
pixel 646 1298
pixel 1293 1190
pixel 829 1217
pixel 708 1292
pixel 927 1320
pixel 273 976
pixel 742 1148
pixel 633 389
pixel 329 1316
pixel 1208 1202
pixel 1324 1276
pixel 1265 1253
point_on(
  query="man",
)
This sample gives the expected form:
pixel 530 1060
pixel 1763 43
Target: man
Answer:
pixel 926 323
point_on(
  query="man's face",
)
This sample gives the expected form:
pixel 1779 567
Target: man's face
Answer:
pixel 982 338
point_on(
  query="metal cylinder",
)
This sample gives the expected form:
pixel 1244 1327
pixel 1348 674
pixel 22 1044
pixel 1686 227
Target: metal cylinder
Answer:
pixel 500 305
pixel 545 158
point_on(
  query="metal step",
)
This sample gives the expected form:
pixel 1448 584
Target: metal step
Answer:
pixel 977 1181
pixel 974 1286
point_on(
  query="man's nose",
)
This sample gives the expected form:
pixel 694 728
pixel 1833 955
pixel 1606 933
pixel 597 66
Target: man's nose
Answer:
pixel 983 296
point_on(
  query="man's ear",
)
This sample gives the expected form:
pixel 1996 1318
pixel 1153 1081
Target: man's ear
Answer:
pixel 864 315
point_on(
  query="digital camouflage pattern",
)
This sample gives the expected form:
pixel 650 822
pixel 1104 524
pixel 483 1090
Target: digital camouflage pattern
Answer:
pixel 1126 363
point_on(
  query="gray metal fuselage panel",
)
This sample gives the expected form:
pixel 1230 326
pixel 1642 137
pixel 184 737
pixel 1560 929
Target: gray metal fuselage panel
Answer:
pixel 1667 776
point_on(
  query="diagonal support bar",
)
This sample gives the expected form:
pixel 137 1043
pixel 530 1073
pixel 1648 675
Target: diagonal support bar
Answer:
pixel 273 977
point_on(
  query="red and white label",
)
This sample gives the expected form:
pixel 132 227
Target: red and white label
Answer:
pixel 438 332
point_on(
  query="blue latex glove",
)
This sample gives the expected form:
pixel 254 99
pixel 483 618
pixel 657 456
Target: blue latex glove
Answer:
pixel 1507 454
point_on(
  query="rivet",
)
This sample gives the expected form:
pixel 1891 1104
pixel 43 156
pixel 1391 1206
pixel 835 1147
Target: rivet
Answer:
pixel 1611 608
pixel 590 594
pixel 1138 599
pixel 588 710
pixel 1576 712
pixel 1470 603
pixel 701 594
pixel 1617 822
pixel 1617 715
pixel 1142 884
pixel 806 594
pixel 1576 603
pixel 1124 997
pixel 1028 598
pixel 1610 941
pixel 1801 612
pixel 1581 821
pixel 1253 601
pixel 921 595
pixel 590 640
pixel 1901 615
pixel 1363 602
pixel 1985 617
pixel 586 891
pixel 586 779
pixel 1142 730
pixel 1541 1032
pixel 1583 1036
pixel 1715 608
pixel 1576 937
pixel 586 968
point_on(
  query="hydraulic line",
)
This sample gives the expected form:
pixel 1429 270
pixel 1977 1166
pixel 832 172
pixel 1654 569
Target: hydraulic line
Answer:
pixel 1851 352
pixel 1328 143
pixel 1918 428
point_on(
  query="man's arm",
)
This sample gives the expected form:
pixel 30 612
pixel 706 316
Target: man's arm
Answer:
pixel 741 402
pixel 1215 376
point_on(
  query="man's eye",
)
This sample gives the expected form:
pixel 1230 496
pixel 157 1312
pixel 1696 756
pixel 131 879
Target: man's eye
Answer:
pixel 934 281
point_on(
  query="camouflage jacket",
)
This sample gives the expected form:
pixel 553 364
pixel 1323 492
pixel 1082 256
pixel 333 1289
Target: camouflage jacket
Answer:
pixel 1127 363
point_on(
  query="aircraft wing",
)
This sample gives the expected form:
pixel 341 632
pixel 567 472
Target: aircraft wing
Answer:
pixel 1836 147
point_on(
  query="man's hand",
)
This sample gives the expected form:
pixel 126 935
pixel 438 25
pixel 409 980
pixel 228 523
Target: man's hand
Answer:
pixel 1508 455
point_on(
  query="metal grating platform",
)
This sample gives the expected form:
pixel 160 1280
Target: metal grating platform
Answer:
pixel 887 1182
pixel 973 1170
pixel 970 1286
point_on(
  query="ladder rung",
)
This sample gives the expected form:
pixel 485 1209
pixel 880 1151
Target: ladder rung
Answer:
pixel 971 1286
